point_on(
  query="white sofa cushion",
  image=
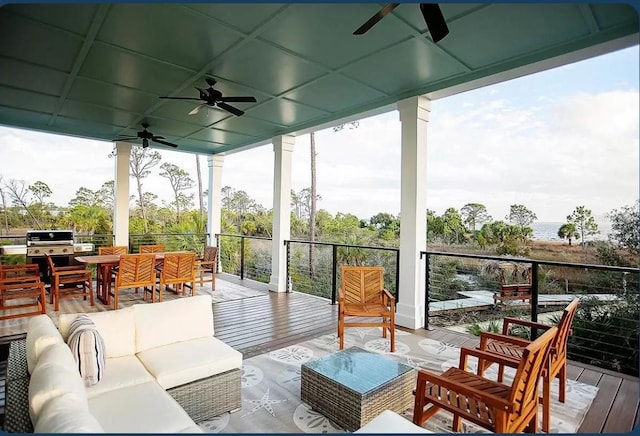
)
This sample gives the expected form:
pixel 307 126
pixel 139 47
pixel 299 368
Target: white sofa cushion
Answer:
pixel 120 372
pixel 87 348
pixel 389 422
pixel 168 322
pixel 117 328
pixel 54 375
pixel 142 408
pixel 191 429
pixel 41 332
pixel 67 414
pixel 183 362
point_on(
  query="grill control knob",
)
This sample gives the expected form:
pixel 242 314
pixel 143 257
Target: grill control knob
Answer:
pixel 64 250
pixel 51 250
pixel 36 251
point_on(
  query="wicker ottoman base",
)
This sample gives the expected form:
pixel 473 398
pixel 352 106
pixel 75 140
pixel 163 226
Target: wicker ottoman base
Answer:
pixel 210 397
pixel 350 409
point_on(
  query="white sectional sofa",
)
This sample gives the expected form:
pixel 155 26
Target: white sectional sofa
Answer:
pixel 163 372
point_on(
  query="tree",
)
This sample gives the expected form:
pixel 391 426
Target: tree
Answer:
pixel 142 160
pixel 568 231
pixel 474 213
pixel 4 207
pixel 200 192
pixel 625 226
pixel 40 191
pixel 452 227
pixel 520 215
pixel 106 194
pixel 18 195
pixel 180 181
pixel 585 223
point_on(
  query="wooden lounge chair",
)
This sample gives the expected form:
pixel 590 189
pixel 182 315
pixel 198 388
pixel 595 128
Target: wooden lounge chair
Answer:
pixel 511 348
pixel 362 294
pixel 178 269
pixel 493 405
pixel 135 271
pixel 515 284
pixel 21 283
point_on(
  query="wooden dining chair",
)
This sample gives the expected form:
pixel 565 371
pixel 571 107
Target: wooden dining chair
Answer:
pixel 208 264
pixel 109 269
pixel 493 405
pixel 156 248
pixel 21 284
pixel 69 282
pixel 178 269
pixel 511 349
pixel 362 294
pixel 135 271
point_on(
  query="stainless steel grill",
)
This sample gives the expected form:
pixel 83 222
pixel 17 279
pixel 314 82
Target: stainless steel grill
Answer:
pixel 57 243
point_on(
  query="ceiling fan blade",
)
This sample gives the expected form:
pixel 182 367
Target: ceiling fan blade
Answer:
pixel 435 21
pixel 229 108
pixel 145 143
pixel 239 99
pixel 196 109
pixel 160 141
pixel 377 17
pixel 125 139
pixel 181 98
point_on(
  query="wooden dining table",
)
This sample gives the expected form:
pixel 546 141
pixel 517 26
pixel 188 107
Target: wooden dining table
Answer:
pixel 104 263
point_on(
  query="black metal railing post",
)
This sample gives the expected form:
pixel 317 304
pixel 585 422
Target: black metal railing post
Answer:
pixel 397 276
pixel 426 290
pixel 219 262
pixel 288 265
pixel 334 272
pixel 242 258
pixel 534 297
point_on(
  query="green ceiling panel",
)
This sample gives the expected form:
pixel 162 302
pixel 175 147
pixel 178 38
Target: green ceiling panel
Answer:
pixel 404 66
pixel 11 116
pixel 32 77
pixel 286 112
pixel 220 136
pixel 28 100
pixel 179 110
pixel 86 111
pixel 118 97
pixel 268 69
pixel 611 15
pixel 412 15
pixel 244 17
pixel 335 93
pixel 537 29
pixel 75 17
pixel 333 49
pixel 87 129
pixel 123 68
pixel 169 128
pixel 144 30
pixel 24 39
pixel 248 126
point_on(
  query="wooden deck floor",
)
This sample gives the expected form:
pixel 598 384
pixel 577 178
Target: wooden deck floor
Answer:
pixel 262 324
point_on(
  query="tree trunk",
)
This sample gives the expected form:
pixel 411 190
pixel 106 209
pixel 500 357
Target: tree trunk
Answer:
pixel 312 209
pixel 200 196
pixel 6 216
pixel 143 209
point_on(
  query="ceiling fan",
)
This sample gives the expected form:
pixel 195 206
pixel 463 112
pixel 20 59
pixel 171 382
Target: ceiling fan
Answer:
pixel 145 135
pixel 430 12
pixel 213 97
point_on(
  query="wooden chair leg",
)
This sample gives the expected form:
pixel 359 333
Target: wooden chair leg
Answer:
pixel 91 298
pixel 546 403
pixel 456 424
pixel 562 383
pixel 500 372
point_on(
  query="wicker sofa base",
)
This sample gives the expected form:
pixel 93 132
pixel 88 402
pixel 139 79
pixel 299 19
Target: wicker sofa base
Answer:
pixel 206 398
pixel 16 409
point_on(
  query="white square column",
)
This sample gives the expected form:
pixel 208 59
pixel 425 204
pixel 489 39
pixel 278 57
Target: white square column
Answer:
pixel 214 197
pixel 121 194
pixel 283 149
pixel 414 116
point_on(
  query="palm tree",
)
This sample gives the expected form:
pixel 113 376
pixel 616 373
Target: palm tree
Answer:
pixel 568 231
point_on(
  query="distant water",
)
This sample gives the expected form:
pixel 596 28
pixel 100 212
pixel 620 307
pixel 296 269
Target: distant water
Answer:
pixel 545 231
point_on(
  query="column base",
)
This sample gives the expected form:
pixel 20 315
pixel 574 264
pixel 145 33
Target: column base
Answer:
pixel 275 285
pixel 407 316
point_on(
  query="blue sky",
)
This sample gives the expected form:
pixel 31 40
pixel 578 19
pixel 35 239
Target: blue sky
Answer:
pixel 551 141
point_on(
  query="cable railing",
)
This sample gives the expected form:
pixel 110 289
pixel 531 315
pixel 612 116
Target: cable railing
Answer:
pixel 460 291
pixel 172 241
pixel 245 256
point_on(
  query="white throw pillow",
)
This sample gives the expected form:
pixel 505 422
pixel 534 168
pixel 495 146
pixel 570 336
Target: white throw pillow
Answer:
pixel 87 348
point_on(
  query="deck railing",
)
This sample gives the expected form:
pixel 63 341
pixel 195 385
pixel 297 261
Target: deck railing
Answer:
pixel 460 288
pixel 245 256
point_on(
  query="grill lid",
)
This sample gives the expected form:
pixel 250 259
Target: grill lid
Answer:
pixel 49 237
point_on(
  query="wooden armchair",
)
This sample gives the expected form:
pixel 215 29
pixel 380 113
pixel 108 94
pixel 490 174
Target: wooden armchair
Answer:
pixel 69 282
pixel 21 283
pixel 135 271
pixel 108 270
pixel 178 270
pixel 362 294
pixel 156 248
pixel 511 348
pixel 208 264
pixel 498 407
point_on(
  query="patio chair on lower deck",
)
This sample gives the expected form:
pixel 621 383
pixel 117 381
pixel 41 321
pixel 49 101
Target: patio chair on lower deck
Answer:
pixel 511 348
pixel 362 294
pixel 495 406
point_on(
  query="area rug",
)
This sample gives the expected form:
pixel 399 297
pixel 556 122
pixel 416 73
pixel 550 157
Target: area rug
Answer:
pixel 271 387
pixel 225 291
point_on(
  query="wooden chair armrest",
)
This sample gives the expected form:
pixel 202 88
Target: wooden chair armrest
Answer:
pixel 20 279
pixel 387 295
pixel 70 268
pixel 485 336
pixel 509 320
pixel 84 272
pixel 484 355
pixel 424 376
